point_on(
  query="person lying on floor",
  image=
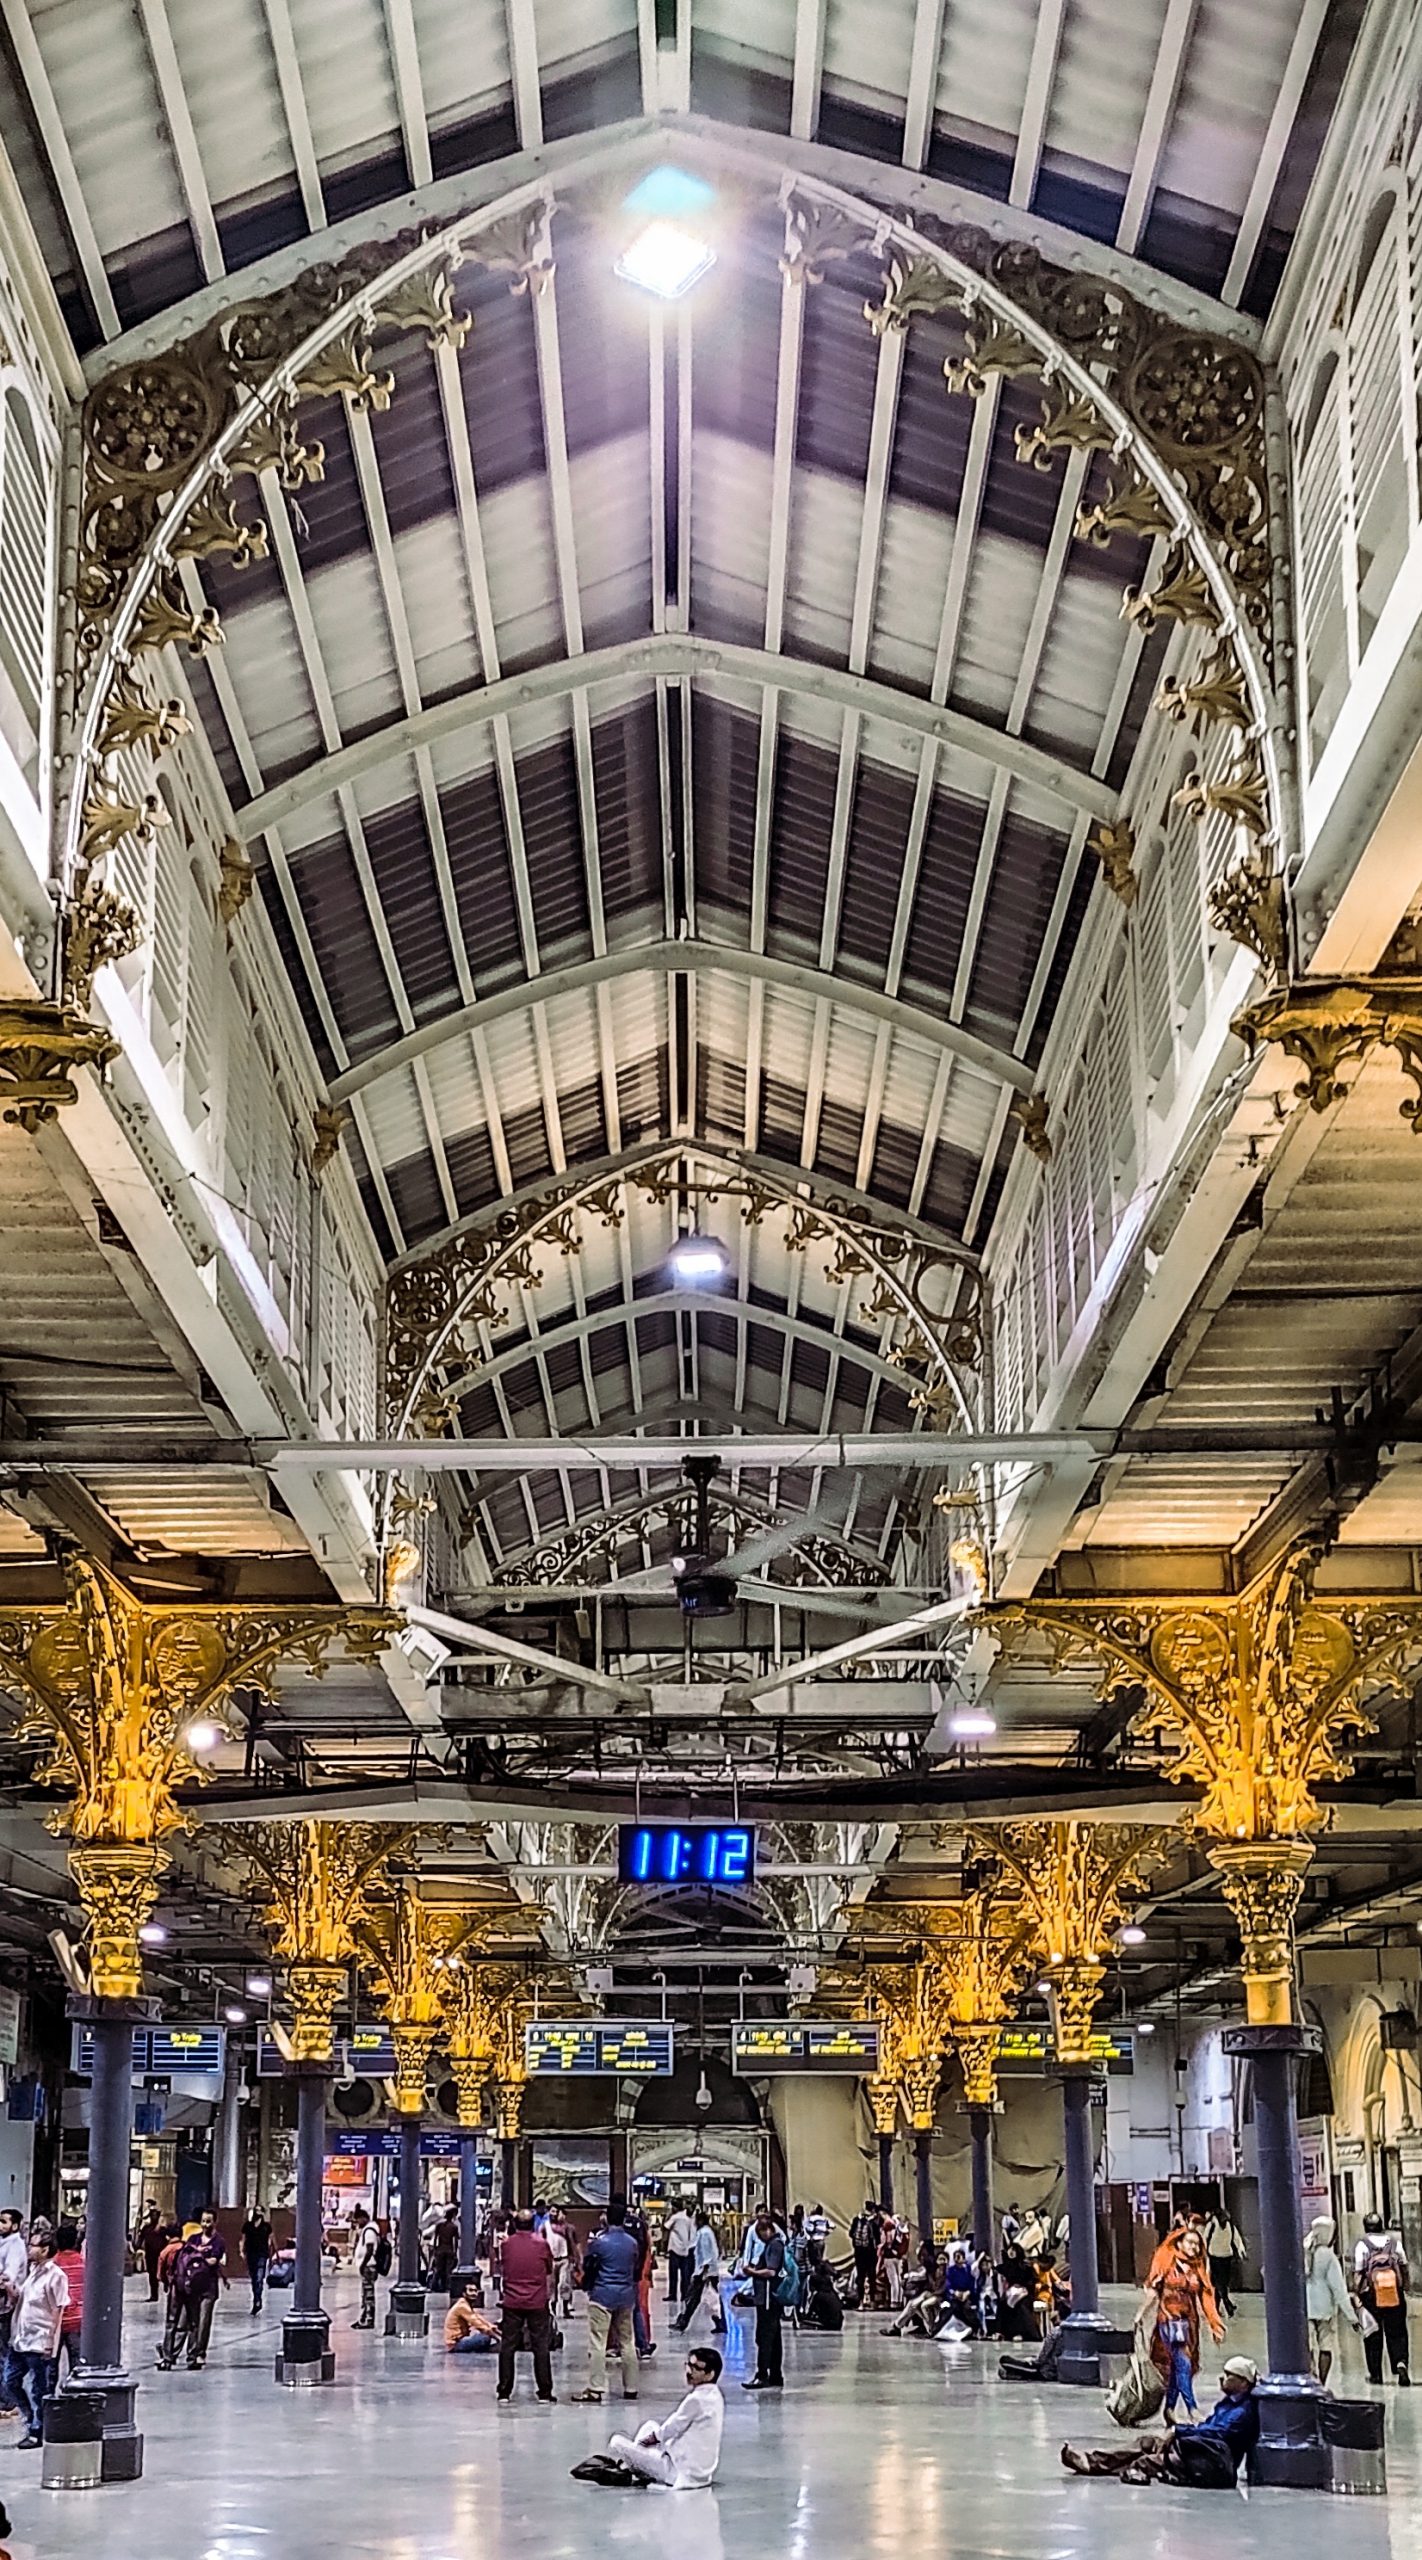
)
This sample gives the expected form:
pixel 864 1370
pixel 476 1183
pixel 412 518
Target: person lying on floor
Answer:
pixel 681 2453
pixel 1204 2456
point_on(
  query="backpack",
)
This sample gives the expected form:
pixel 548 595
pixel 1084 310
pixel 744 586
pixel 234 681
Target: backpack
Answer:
pixel 787 2285
pixel 1382 2279
pixel 384 2255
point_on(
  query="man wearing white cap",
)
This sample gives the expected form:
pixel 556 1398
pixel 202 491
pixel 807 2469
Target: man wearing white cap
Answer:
pixel 1206 2456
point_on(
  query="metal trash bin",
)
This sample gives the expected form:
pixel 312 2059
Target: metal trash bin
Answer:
pixel 72 2456
pixel 1354 2433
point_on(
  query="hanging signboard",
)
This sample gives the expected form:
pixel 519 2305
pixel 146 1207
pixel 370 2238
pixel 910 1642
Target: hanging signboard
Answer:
pixel 1029 2048
pixel 580 2048
pixel 805 2044
pixel 159 2052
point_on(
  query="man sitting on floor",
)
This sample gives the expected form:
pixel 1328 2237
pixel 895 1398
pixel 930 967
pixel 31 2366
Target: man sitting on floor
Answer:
pixel 681 2453
pixel 1206 2456
pixel 467 2329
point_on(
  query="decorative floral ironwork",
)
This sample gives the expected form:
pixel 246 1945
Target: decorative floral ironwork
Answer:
pixel 318 1878
pixel 41 1047
pixel 435 1305
pixel 1330 1023
pixel 813 1560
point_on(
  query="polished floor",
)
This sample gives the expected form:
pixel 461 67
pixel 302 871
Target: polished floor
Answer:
pixel 877 2448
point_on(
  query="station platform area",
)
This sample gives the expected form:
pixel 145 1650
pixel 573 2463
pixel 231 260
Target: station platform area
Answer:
pixel 878 2447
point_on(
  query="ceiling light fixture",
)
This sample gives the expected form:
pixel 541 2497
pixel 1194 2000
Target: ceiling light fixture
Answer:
pixel 696 1261
pixel 259 1984
pixel 235 2017
pixel 201 1735
pixel 668 251
pixel 153 1934
pixel 1133 1935
pixel 1146 2027
pixel 972 1724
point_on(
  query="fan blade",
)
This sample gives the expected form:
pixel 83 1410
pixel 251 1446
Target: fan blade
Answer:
pixel 654 1582
pixel 809 1596
pixel 754 1554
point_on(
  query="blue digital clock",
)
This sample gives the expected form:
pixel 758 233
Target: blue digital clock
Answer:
pixel 662 1853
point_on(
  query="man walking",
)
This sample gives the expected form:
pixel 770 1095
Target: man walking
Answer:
pixel 769 2266
pixel 610 2264
pixel 705 2275
pixel 199 2270
pixel 681 2241
pixel 148 2242
pixel 257 2250
pixel 1380 2276
pixel 32 2357
pixel 526 2323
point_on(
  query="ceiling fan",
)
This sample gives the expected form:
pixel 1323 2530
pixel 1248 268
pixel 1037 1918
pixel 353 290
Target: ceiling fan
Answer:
pixel 705 1585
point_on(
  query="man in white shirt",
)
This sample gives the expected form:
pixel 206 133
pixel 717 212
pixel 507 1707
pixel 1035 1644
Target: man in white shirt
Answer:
pixel 681 2240
pixel 14 2267
pixel 681 2453
pixel 555 2232
pixel 705 2275
pixel 32 2359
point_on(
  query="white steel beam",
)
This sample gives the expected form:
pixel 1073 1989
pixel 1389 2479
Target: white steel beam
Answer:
pixel 1037 101
pixel 1164 89
pixel 684 656
pixel 1311 17
pixel 402 43
pixel 296 111
pixel 173 98
pixel 19 26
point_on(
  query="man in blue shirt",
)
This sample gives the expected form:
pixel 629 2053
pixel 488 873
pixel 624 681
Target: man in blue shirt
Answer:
pixel 1206 2456
pixel 610 2263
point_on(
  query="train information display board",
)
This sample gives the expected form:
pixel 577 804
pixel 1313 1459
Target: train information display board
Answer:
pixel 805 2044
pixel 580 2048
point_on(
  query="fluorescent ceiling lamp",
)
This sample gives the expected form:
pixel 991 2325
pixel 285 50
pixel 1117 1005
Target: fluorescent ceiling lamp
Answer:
pixel 259 1984
pixel 695 1259
pixel 1132 1935
pixel 153 1934
pixel 665 260
pixel 200 1735
pixel 235 2017
pixel 1146 2027
pixel 972 1724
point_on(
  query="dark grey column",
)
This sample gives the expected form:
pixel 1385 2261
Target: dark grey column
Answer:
pixel 101 2368
pixel 306 2356
pixel 468 2198
pixel 407 2317
pixel 1289 2455
pixel 923 2184
pixel 980 2127
pixel 1085 2335
pixel 886 2171
pixel 508 2176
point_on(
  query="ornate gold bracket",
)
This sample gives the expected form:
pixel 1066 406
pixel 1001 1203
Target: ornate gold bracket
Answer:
pixel 1077 1880
pixel 41 1048
pixel 115 1684
pixel 1330 1023
pixel 319 1877
pixel 1257 1694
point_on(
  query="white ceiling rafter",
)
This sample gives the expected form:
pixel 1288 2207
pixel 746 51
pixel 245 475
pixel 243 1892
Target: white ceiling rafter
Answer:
pixel 178 116
pixel 19 27
pixel 287 62
pixel 404 48
pixel 1171 52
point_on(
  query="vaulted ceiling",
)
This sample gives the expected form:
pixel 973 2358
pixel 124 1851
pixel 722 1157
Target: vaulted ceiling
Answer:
pixel 669 723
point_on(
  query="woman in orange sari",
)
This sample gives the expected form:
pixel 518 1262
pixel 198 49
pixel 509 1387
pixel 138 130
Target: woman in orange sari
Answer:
pixel 1182 2291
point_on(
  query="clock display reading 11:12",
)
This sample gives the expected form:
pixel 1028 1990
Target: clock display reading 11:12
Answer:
pixel 663 1853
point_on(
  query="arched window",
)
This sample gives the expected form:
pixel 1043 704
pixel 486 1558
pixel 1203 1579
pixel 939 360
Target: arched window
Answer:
pixel 24 580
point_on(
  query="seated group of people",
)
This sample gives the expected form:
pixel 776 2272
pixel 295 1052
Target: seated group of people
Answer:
pixel 1012 2299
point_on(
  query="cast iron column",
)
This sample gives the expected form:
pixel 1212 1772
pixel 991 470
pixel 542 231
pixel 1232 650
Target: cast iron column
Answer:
pixel 1288 2455
pixel 886 2171
pixel 407 2317
pixel 111 2024
pixel 306 2331
pixel 1084 2333
pixel 468 2198
pixel 923 2183
pixel 980 2127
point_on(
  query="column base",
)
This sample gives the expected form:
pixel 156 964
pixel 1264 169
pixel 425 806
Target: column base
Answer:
pixel 123 2445
pixel 407 2316
pixel 1292 2452
pixel 305 2358
pixel 1091 2351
